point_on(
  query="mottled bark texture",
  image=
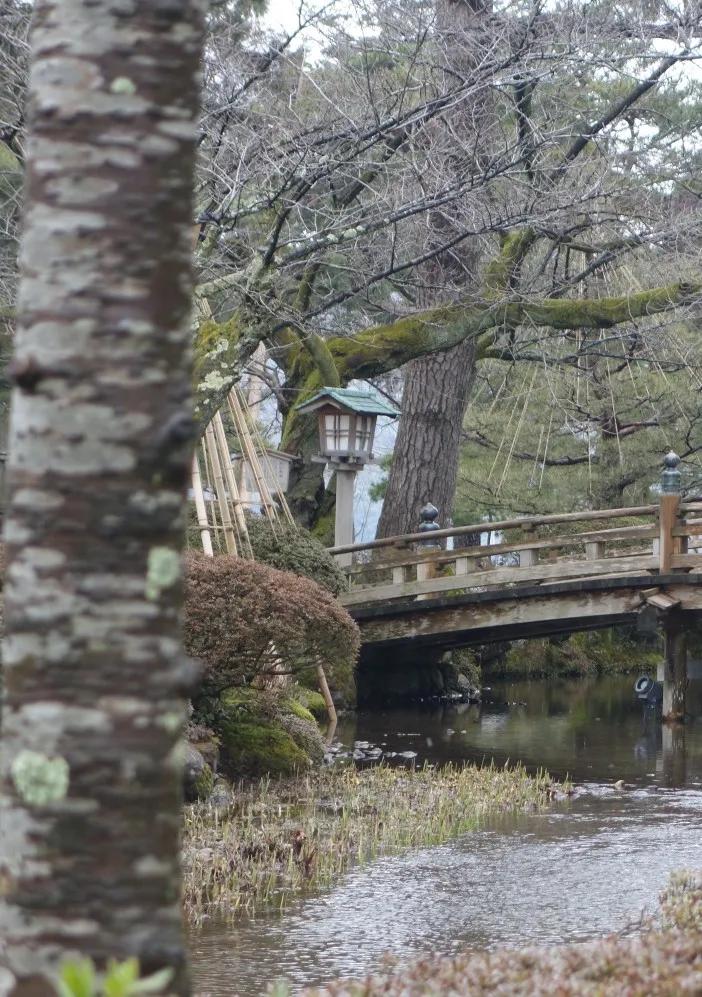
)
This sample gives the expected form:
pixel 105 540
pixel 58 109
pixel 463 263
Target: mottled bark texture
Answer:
pixel 100 444
pixel 436 391
pixel 425 460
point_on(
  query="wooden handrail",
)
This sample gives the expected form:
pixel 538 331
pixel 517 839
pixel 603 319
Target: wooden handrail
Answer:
pixel 441 556
pixel 506 524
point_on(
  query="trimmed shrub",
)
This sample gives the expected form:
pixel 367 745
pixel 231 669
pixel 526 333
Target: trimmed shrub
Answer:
pixel 244 620
pixel 290 548
pixel 681 902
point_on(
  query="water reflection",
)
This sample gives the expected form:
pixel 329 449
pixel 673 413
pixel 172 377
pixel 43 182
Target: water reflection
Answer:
pixel 582 869
pixel 593 729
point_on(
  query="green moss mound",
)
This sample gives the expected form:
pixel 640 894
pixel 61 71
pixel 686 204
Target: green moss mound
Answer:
pixel 256 749
pixel 265 734
pixel 313 702
pixel 297 709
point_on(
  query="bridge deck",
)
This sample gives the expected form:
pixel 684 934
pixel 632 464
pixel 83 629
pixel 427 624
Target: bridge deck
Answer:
pixel 544 575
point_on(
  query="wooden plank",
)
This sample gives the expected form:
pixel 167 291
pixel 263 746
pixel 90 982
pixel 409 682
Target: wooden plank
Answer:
pixel 536 616
pixel 598 577
pixel 594 550
pixel 490 550
pixel 425 572
pixel 662 601
pixel 560 571
pixel 688 528
pixel 472 559
pixel 528 556
pixel 692 562
pixel 621 533
pixel 493 618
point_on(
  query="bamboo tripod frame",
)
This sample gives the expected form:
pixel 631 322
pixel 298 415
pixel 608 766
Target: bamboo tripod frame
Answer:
pixel 223 525
pixel 227 519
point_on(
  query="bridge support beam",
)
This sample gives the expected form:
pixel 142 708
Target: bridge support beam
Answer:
pixel 674 668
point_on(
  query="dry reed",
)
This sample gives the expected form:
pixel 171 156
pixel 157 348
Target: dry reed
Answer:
pixel 280 838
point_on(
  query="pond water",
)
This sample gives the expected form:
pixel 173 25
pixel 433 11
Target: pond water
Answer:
pixel 583 868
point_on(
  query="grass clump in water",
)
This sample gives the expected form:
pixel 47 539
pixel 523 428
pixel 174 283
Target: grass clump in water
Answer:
pixel 279 838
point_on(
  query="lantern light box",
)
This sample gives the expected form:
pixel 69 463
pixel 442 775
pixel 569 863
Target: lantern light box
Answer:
pixel 347 421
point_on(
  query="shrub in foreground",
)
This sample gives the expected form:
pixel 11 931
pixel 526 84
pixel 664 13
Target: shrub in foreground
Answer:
pixel 243 620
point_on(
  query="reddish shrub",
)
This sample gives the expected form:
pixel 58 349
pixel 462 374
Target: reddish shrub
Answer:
pixel 242 619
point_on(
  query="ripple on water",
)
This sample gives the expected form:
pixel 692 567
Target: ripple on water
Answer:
pixel 587 867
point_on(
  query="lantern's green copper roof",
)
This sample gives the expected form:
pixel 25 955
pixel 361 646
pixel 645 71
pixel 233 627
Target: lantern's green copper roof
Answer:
pixel 363 402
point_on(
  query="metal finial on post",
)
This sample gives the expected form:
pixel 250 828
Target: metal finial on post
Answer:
pixel 671 476
pixel 428 524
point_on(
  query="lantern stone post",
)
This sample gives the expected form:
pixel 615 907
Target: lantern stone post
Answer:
pixel 343 513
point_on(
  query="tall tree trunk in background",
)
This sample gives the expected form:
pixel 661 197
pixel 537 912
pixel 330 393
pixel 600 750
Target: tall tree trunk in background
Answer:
pixel 425 459
pixel 436 389
pixel 95 677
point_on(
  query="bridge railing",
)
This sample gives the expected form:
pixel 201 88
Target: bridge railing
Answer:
pixel 532 550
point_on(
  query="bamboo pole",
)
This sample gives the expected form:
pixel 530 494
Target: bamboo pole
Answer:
pixel 234 495
pixel 251 456
pixel 265 460
pixel 201 509
pixel 229 534
pixel 209 482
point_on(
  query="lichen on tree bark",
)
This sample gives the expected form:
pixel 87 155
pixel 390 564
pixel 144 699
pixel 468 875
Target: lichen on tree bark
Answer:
pixel 100 441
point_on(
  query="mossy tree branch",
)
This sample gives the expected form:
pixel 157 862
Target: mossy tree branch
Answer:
pixel 383 348
pixel 221 348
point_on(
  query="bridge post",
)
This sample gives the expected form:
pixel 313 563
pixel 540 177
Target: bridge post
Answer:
pixel 674 668
pixel 674 629
pixel 528 558
pixel 668 545
pixel 673 756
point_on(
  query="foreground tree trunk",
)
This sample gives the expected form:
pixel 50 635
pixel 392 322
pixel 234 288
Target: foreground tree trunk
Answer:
pixel 99 451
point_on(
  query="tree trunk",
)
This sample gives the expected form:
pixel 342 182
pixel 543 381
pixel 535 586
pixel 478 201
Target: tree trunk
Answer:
pixel 436 390
pixel 425 461
pixel 100 445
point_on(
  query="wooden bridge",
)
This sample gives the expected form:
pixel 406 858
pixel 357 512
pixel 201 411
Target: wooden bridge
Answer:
pixel 544 575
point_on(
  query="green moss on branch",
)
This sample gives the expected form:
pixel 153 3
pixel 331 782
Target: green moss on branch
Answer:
pixel 599 313
pixel 501 272
pixel 385 347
